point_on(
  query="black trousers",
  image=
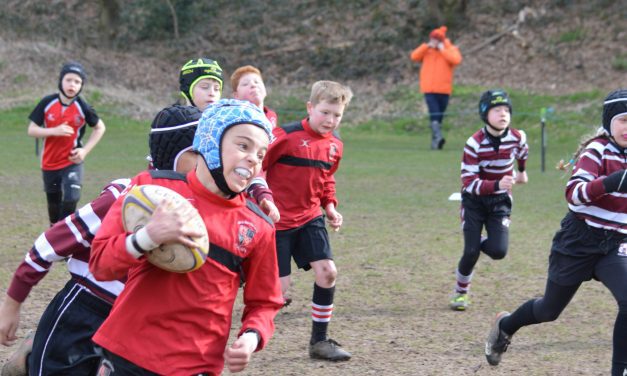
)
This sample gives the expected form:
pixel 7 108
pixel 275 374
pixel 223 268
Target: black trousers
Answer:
pixel 580 253
pixel 493 213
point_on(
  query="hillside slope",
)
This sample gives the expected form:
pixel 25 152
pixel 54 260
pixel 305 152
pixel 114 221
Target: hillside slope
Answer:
pixel 560 47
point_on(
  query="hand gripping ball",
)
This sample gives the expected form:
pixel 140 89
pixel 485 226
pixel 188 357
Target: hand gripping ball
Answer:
pixel 137 208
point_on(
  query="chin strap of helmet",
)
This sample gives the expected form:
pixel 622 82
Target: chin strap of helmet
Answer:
pixel 218 177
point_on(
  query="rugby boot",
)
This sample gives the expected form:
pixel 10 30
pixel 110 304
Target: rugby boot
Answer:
pixel 328 350
pixel 497 341
pixel 437 140
pixel 459 301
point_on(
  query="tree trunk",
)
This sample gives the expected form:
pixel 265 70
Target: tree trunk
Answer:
pixel 109 20
pixel 175 22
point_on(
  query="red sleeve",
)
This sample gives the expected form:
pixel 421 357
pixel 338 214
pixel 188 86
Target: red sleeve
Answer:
pixel 262 292
pixel 109 259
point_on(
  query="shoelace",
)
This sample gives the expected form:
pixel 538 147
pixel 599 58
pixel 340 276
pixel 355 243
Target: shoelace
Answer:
pixel 333 342
pixel 502 342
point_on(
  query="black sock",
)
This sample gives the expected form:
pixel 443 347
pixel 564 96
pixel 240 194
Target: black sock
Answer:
pixel 54 206
pixel 321 312
pixel 523 316
pixel 68 208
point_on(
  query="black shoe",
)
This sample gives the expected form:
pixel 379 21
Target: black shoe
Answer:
pixel 441 143
pixel 497 341
pixel 328 350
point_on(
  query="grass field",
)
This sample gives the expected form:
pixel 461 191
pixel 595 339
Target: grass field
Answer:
pixel 396 253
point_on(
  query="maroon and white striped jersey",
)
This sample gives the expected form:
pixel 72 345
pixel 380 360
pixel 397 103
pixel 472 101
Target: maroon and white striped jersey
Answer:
pixel 70 239
pixel 585 193
pixel 486 161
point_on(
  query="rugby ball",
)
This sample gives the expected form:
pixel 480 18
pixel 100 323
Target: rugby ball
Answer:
pixel 137 208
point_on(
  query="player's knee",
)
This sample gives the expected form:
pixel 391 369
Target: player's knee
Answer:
pixel 73 193
pixel 500 254
pixel 329 274
pixel 497 253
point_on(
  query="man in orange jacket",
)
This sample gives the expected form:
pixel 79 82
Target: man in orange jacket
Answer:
pixel 439 57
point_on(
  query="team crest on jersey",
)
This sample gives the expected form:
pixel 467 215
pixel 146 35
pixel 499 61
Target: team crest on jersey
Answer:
pixel 51 117
pixel 333 152
pixel 245 233
pixel 304 142
pixel 622 250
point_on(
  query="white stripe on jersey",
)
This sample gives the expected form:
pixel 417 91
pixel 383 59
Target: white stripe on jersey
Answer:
pixel 81 268
pixel 487 147
pixel 77 234
pixel 470 152
pixel 470 167
pixel 605 215
pixel 498 170
pixel 33 264
pixel 86 213
pixel 614 158
pixel 45 250
pixel 496 163
pixel 114 190
pixel 474 145
pixel 578 192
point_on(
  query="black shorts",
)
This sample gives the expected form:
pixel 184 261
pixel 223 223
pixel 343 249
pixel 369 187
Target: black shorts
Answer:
pixel 62 344
pixel 306 244
pixel 68 180
pixel 579 251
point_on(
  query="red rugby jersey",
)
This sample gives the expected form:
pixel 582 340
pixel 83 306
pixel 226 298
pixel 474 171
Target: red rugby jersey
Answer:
pixel 299 167
pixel 49 113
pixel 272 116
pixel 178 323
pixel 483 164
